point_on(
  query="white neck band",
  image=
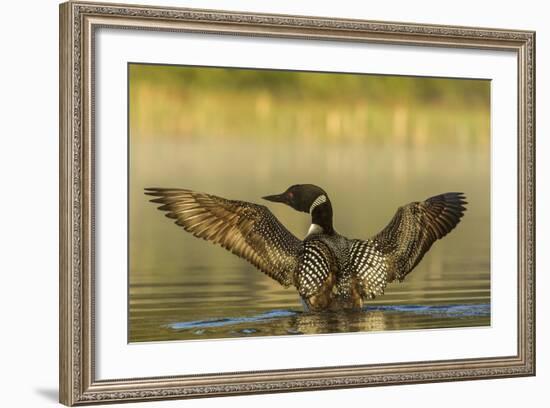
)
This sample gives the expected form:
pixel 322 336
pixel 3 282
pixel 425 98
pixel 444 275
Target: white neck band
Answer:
pixel 318 201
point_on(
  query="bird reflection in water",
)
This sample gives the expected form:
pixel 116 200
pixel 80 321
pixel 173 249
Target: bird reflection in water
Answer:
pixel 345 321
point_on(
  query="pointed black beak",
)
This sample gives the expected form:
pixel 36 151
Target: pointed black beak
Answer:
pixel 277 198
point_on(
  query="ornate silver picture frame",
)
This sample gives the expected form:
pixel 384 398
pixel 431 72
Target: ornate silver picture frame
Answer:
pixel 79 23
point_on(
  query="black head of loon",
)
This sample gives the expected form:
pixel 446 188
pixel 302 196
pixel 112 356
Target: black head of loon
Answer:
pixel 310 199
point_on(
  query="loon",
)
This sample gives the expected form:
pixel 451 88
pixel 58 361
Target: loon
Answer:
pixel 329 271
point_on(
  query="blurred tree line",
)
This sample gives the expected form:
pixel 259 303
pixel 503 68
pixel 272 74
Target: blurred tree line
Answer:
pixel 301 85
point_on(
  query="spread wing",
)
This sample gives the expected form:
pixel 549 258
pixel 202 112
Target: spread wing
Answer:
pixel 248 230
pixel 413 230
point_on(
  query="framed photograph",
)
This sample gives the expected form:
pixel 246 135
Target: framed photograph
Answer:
pixel 256 203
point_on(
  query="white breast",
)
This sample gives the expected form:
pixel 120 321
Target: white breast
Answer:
pixel 314 229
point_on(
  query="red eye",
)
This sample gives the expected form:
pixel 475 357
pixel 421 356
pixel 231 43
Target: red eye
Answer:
pixel 290 194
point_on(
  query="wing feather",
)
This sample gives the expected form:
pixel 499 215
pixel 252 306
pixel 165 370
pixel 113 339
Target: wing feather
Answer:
pixel 248 230
pixel 413 230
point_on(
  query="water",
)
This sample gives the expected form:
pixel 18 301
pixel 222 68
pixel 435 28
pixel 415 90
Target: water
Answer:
pixel 369 158
pixel 196 309
pixel 277 322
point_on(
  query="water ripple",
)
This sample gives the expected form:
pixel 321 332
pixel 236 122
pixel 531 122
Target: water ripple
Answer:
pixel 439 311
pixel 483 309
pixel 274 314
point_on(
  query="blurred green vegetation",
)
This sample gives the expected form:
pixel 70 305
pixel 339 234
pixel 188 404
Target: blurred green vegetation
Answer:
pixel 197 102
pixel 314 85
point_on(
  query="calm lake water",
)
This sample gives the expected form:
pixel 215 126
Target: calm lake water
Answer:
pixel 193 307
pixel 183 288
